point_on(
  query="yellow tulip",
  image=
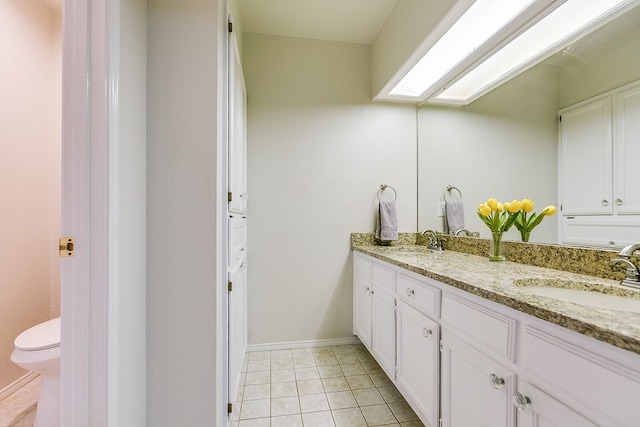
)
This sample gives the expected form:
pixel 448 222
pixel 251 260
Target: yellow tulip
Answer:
pixel 515 206
pixel 484 209
pixel 493 204
pixel 527 205
pixel 549 210
pixel 500 207
pixel 506 206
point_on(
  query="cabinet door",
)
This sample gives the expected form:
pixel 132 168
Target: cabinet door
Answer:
pixel 476 391
pixel 627 151
pixel 586 159
pixel 237 132
pixel 542 410
pixel 418 339
pixel 362 293
pixel 237 323
pixel 383 317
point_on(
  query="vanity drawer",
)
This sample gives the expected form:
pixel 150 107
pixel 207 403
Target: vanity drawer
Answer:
pixel 420 295
pixel 362 266
pixel 480 324
pixel 585 378
pixel 384 276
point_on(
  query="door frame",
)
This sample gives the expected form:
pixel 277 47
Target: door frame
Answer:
pixel 88 99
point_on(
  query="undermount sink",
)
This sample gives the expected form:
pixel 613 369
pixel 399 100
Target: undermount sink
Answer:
pixel 583 293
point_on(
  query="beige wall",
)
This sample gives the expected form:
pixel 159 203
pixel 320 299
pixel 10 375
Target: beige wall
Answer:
pixel 318 150
pixel 29 171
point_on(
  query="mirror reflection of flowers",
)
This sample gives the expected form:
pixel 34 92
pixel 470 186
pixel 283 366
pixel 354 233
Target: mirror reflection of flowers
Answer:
pixel 499 217
pixel 526 224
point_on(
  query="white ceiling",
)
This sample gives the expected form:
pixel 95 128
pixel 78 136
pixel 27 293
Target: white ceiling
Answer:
pixel 355 21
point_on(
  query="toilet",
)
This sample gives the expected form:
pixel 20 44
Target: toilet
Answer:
pixel 38 349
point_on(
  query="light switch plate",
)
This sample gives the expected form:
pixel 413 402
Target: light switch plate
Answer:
pixel 440 209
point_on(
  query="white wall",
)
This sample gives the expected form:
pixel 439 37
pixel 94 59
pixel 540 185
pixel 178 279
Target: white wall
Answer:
pixel 183 125
pixel 128 386
pixel 318 150
pixel 30 111
pixel 503 145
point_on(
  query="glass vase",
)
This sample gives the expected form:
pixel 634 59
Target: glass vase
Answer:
pixel 524 235
pixel 495 247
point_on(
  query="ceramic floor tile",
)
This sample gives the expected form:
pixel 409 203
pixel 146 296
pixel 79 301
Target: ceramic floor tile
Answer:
pixel 310 373
pixel 277 364
pixel 368 396
pixel 259 355
pixel 347 358
pixel 403 412
pixel 412 424
pixel 381 380
pixel 351 369
pixel 288 389
pixel 255 409
pixel 259 365
pixel 310 387
pixel 285 406
pixel 360 381
pixel 318 419
pixel 330 371
pixel 324 351
pixel 256 422
pixel 372 367
pixel 322 360
pixel 314 403
pixel 257 391
pixel 287 421
pixel 351 417
pixel 258 378
pixel 335 384
pixel 304 362
pixel 283 375
pixel 342 400
pixel 378 415
pixel 391 394
pixel 342 349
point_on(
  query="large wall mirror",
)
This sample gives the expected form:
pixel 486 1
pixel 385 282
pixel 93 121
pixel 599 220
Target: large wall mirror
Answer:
pixel 505 144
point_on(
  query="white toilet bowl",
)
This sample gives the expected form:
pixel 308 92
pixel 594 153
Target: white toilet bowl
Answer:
pixel 38 349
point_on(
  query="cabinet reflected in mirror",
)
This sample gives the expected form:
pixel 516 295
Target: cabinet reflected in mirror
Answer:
pixel 506 144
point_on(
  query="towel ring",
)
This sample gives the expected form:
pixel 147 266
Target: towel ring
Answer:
pixel 448 190
pixel 384 187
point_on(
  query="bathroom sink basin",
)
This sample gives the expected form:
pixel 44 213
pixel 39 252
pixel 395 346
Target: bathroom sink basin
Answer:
pixel 583 293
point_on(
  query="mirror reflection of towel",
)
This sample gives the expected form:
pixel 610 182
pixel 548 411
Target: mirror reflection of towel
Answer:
pixel 455 216
pixel 387 227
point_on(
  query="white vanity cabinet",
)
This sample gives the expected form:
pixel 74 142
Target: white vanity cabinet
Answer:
pixel 383 329
pixel 599 145
pixel 362 297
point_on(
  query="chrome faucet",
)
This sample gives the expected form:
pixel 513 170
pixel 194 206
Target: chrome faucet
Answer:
pixel 463 230
pixel 435 242
pixel 632 275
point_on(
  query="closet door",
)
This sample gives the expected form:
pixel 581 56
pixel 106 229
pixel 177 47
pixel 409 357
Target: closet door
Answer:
pixel 586 159
pixel 237 172
pixel 627 149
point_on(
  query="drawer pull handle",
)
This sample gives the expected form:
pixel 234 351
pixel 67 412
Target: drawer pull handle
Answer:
pixel 496 381
pixel 521 401
pixel 605 202
pixel 410 292
pixel 427 332
pixel 619 202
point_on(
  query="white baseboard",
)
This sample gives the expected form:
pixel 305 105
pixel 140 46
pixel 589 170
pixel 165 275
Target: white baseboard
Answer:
pixel 17 384
pixel 302 344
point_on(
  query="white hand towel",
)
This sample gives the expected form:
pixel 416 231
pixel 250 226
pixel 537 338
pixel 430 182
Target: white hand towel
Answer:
pixel 455 216
pixel 387 227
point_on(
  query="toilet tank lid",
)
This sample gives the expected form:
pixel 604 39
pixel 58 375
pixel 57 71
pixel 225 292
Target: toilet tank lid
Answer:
pixel 38 337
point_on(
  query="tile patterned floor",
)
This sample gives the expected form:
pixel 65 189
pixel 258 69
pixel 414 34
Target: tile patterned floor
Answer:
pixel 339 386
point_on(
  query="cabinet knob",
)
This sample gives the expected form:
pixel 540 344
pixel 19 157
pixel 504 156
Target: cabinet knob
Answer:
pixel 605 202
pixel 427 332
pixel 521 401
pixel 410 292
pixel 619 202
pixel 496 381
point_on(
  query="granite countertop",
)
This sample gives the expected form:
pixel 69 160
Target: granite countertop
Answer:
pixel 494 281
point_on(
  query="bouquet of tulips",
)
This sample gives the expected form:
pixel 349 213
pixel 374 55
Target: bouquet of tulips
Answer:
pixel 526 225
pixel 499 217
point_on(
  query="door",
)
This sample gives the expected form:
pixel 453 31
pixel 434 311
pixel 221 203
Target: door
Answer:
pixel 538 409
pixel 362 293
pixel 383 329
pixel 418 366
pixel 237 324
pixel 627 151
pixel 476 391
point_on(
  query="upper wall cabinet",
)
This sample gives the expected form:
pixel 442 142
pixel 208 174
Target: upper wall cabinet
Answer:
pixel 237 173
pixel 599 149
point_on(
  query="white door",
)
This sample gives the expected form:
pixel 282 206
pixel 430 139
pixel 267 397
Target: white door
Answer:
pixel 237 324
pixel 586 159
pixel 237 172
pixel 476 391
pixel 383 320
pixel 362 292
pixel 537 409
pixel 418 366
pixel 627 149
